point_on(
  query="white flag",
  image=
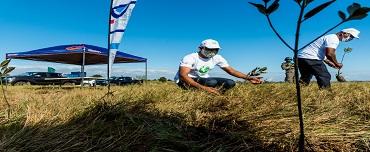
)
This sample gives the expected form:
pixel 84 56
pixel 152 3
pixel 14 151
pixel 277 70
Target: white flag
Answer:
pixel 120 14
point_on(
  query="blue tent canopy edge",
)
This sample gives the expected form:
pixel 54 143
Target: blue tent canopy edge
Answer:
pixel 73 54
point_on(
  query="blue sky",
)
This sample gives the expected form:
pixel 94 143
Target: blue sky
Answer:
pixel 165 30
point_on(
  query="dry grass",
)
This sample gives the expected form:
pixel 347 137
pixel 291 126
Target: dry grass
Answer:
pixel 161 117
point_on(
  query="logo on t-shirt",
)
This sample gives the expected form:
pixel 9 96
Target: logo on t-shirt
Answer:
pixel 204 69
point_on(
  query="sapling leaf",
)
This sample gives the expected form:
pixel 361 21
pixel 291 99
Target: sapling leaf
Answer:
pixel 258 71
pixel 359 14
pixel 8 70
pixel 342 15
pixel 273 7
pixel 359 17
pixel 347 50
pixel 260 7
pixel 3 68
pixel 352 8
pixel 5 63
pixel 317 9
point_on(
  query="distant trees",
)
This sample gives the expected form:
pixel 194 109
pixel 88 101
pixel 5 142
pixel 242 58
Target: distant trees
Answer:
pixel 97 75
pixel 162 79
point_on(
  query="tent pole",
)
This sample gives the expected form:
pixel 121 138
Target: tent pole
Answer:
pixel 83 67
pixel 146 70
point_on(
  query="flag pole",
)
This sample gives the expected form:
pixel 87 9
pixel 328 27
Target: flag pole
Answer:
pixel 82 74
pixel 146 69
pixel 109 29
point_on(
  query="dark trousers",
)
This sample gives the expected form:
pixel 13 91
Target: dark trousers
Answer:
pixel 317 68
pixel 214 82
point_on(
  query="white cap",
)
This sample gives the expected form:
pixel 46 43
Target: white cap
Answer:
pixel 210 43
pixel 352 31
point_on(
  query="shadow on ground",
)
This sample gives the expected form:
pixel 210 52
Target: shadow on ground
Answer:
pixel 130 127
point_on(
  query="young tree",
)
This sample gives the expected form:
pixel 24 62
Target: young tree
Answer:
pixel 339 76
pixel 5 70
pixel 355 11
pixel 257 71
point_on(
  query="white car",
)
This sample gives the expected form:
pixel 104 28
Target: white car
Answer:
pixel 89 83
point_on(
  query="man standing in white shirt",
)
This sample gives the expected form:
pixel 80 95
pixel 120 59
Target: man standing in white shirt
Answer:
pixel 194 68
pixel 311 58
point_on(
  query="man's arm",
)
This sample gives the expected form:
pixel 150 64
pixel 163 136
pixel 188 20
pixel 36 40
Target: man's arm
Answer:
pixel 184 71
pixel 330 55
pixel 284 66
pixel 235 73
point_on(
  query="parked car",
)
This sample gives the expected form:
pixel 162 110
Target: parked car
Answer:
pixel 89 83
pixel 124 81
pixel 101 82
pixel 118 81
pixel 41 78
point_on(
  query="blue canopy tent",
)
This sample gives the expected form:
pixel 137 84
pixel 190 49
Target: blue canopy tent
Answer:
pixel 78 54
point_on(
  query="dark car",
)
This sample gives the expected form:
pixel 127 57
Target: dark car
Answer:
pixel 40 78
pixel 101 82
pixel 118 81
pixel 124 81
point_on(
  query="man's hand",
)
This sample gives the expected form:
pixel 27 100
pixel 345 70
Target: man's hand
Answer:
pixel 254 80
pixel 339 65
pixel 211 90
pixel 331 64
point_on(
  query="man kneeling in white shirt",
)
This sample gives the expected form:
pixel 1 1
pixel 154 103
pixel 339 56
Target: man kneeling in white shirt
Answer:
pixel 194 68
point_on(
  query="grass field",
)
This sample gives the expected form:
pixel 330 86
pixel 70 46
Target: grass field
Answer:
pixel 161 117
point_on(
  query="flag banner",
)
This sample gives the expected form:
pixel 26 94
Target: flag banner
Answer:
pixel 120 13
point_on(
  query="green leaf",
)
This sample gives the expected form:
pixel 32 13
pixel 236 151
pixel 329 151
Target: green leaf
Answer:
pixel 263 69
pixel 347 50
pixel 8 70
pixel 5 63
pixel 359 13
pixel 359 17
pixel 273 7
pixel 342 15
pixel 317 9
pixel 3 68
pixel 260 7
pixel 352 8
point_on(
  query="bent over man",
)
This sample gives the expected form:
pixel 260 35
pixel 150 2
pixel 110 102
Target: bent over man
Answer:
pixel 194 69
pixel 311 58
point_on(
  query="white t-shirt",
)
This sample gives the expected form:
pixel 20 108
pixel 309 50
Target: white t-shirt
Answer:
pixel 317 49
pixel 200 67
